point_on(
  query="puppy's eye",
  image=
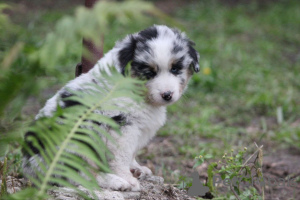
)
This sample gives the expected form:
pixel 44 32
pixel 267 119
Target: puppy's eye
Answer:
pixel 149 74
pixel 176 69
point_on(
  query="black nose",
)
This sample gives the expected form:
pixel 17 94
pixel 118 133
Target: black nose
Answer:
pixel 167 95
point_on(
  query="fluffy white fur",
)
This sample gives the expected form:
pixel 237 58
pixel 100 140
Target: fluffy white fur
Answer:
pixel 170 61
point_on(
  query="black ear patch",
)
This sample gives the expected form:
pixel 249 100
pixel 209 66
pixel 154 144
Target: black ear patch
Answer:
pixel 194 55
pixel 126 54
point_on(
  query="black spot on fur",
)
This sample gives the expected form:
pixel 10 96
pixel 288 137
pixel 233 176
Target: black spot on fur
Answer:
pixel 143 37
pixel 67 102
pixel 94 122
pixel 94 81
pixel 97 123
pixel 126 54
pixel 142 70
pixel 76 170
pixel 87 144
pixel 182 81
pixel 149 33
pixel 67 157
pixel 143 47
pixel 176 48
pixel 120 119
pixel 72 167
pixel 30 144
pixel 177 33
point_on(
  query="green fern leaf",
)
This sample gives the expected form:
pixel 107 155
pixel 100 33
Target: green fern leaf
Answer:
pixel 69 139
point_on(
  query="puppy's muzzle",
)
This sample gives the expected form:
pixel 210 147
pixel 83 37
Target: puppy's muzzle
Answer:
pixel 167 95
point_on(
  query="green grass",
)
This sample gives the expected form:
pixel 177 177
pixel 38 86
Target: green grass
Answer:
pixel 254 55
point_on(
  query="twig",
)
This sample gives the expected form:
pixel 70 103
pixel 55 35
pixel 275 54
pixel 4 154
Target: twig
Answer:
pixel 235 194
pixel 260 162
pixel 295 176
pixel 257 188
pixel 13 184
pixel 3 190
pixel 251 156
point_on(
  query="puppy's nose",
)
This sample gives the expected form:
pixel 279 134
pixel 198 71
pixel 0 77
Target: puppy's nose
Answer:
pixel 167 95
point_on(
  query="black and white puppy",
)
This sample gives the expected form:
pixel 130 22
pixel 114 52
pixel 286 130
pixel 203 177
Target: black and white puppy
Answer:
pixel 164 57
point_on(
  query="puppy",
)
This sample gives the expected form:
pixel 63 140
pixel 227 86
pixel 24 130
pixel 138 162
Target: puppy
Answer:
pixel 166 59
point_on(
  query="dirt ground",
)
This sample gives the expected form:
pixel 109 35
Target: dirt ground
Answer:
pixel 276 167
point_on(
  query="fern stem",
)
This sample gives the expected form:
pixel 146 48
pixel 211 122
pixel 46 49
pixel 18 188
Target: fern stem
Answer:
pixel 65 143
pixel 4 175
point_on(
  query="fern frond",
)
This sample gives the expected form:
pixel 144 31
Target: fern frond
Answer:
pixel 90 24
pixel 70 138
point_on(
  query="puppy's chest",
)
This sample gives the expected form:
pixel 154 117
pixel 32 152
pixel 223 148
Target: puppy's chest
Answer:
pixel 149 120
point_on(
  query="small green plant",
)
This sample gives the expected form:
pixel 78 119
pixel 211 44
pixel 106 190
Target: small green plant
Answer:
pixel 186 182
pixel 201 158
pixel 234 171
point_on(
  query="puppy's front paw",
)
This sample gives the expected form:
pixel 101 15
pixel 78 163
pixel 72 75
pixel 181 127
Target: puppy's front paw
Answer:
pixel 120 185
pixel 114 182
pixel 141 172
pixel 146 171
pixel 135 184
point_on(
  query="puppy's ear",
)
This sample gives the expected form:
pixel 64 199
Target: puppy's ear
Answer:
pixel 195 57
pixel 126 52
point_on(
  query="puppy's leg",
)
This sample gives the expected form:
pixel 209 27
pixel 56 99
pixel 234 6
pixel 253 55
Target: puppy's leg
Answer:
pixel 125 174
pixel 121 177
pixel 123 150
pixel 139 171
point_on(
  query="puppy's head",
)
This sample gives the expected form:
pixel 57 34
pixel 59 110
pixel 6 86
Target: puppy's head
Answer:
pixel 162 56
